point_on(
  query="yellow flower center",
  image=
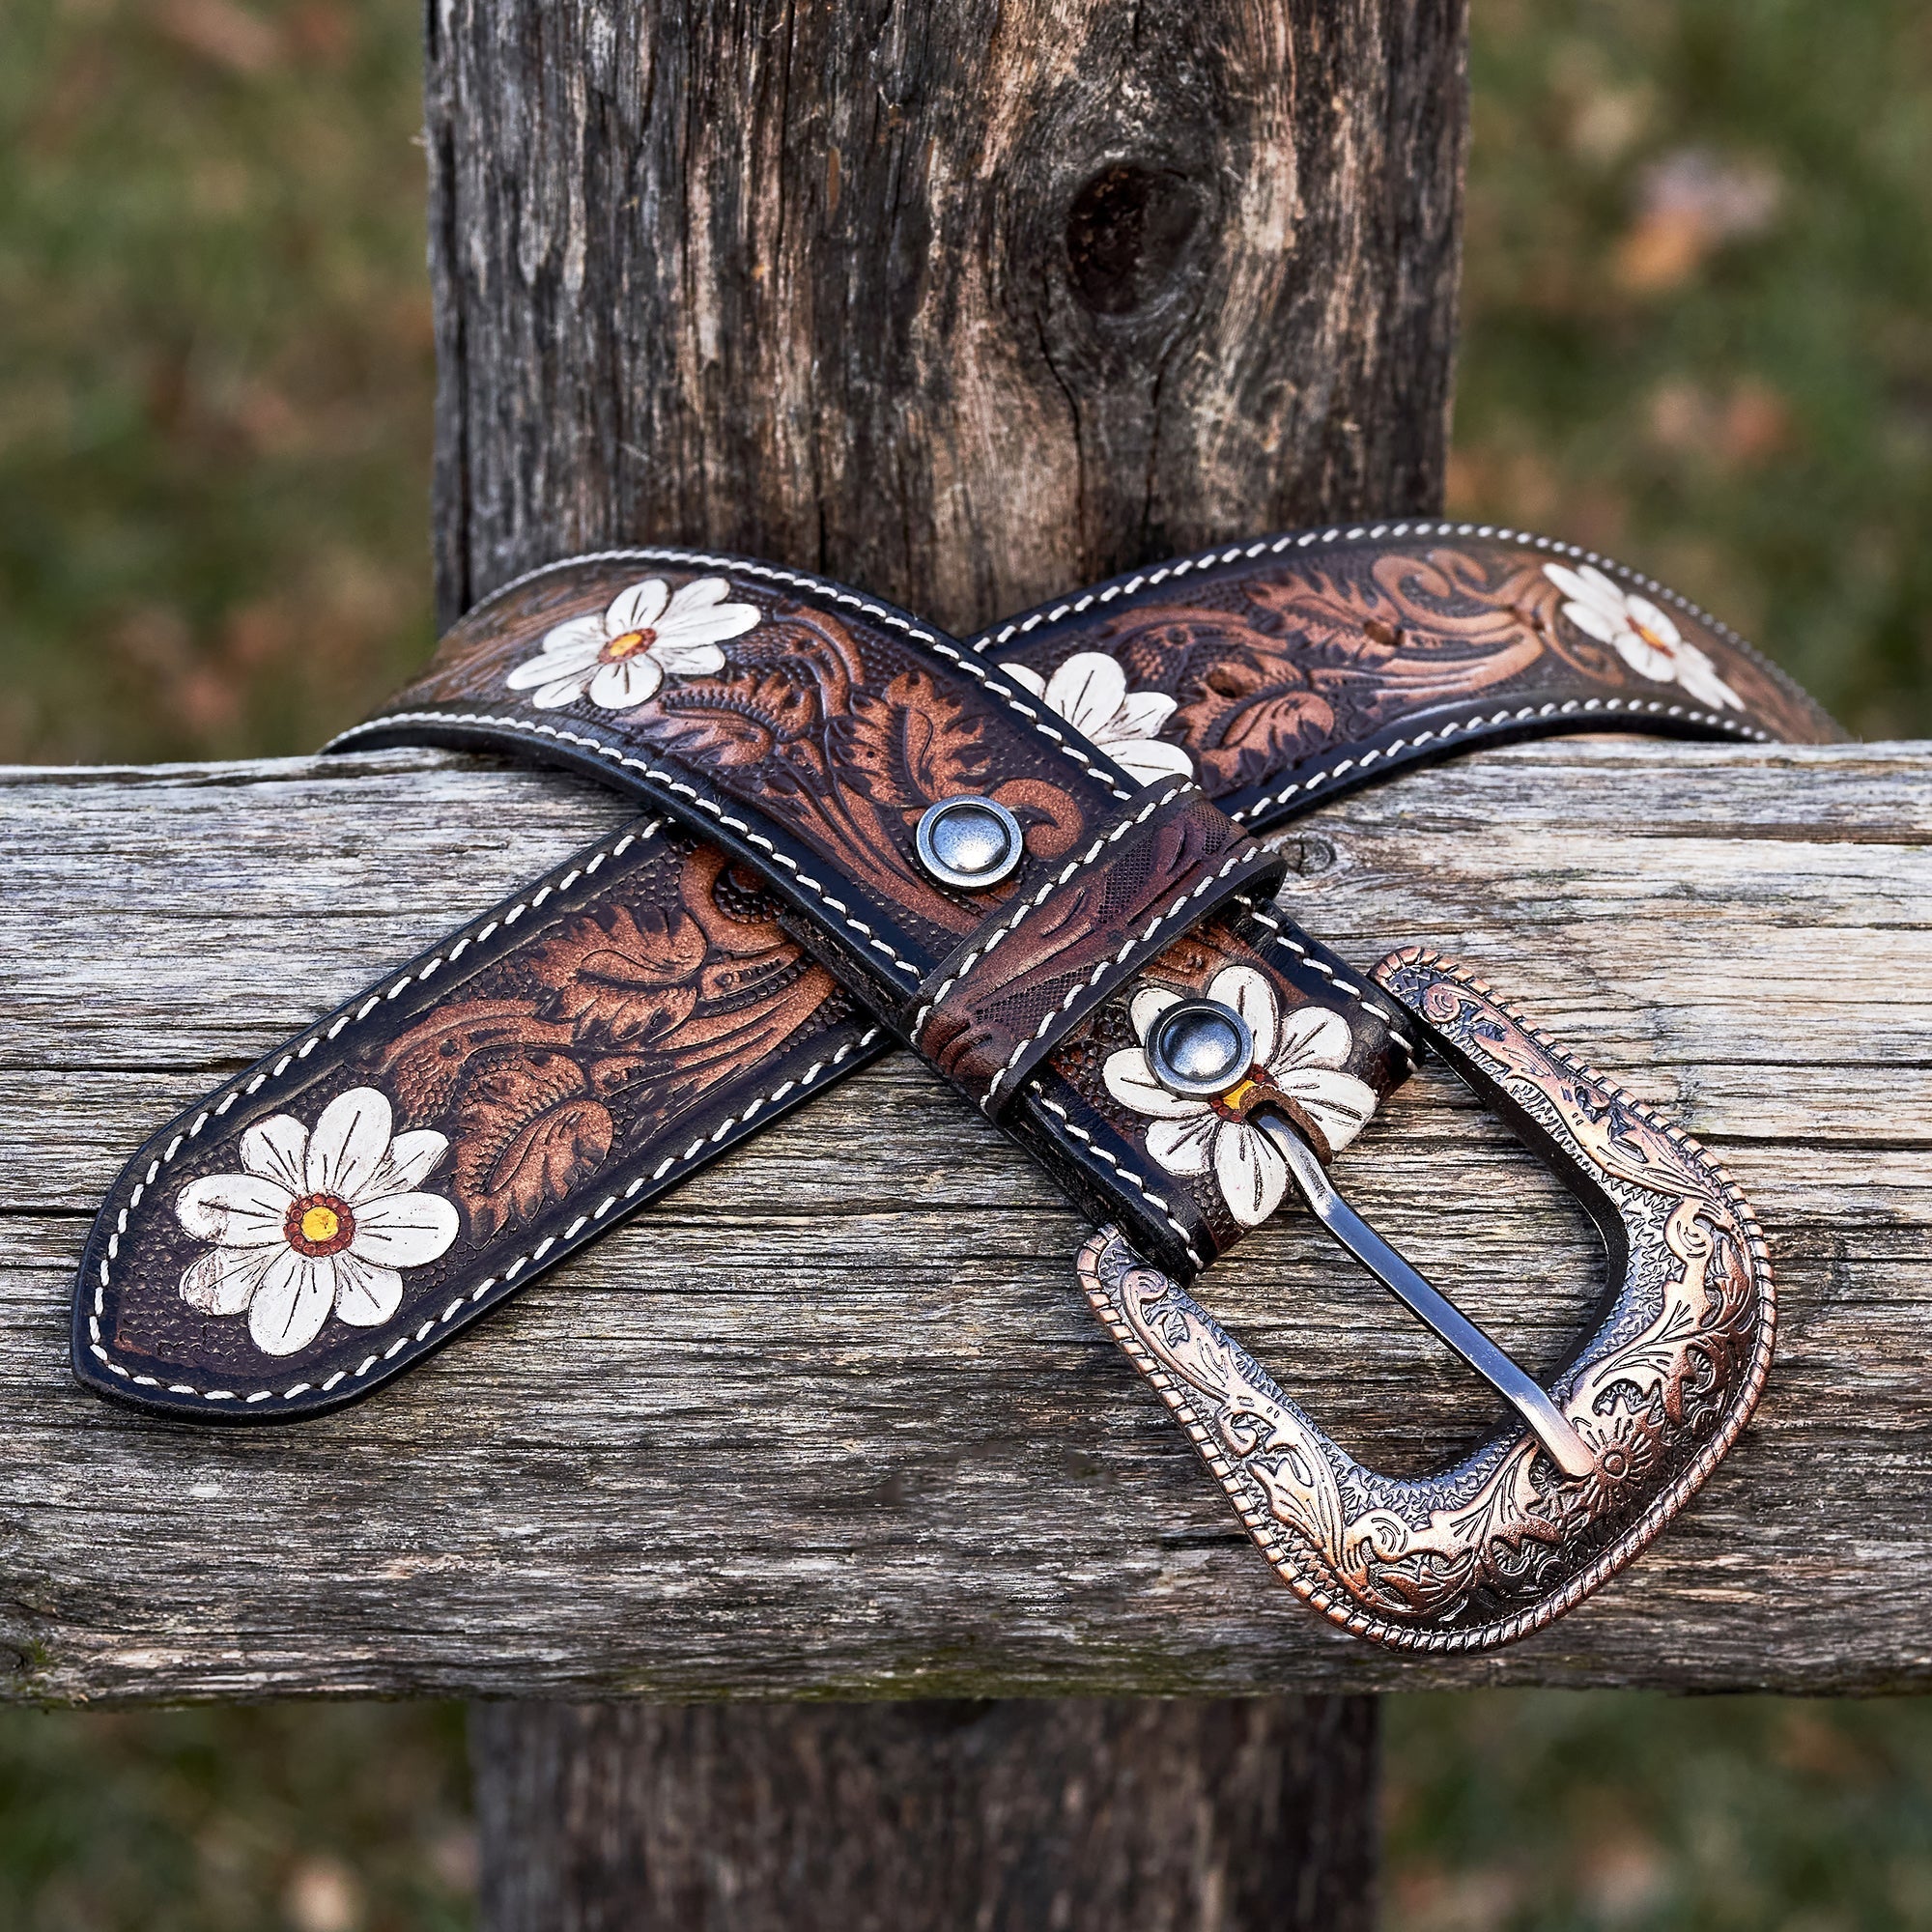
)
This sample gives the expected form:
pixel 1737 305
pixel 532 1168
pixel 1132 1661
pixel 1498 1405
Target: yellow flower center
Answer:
pixel 1233 1104
pixel 628 646
pixel 1656 641
pixel 318 1224
pixel 321 1224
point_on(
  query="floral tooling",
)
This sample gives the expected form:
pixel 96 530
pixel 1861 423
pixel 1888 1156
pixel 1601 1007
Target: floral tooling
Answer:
pixel 1644 636
pixel 317 1221
pixel 649 633
pixel 1299 1055
pixel 1089 691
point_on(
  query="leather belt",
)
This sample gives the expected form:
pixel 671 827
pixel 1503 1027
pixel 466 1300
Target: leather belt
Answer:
pixel 1041 858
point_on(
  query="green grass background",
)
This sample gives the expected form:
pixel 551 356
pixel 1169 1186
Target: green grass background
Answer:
pixel 1697 333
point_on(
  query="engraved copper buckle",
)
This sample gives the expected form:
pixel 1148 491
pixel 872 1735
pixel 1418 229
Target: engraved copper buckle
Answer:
pixel 1544 1511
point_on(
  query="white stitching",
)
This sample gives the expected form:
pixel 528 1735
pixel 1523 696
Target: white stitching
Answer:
pixel 1019 915
pixel 616 850
pixel 1013 703
pixel 1303 539
pixel 655 773
pixel 1127 1173
pixel 608 1206
pixel 838 594
pixel 1349 987
pixel 1251 856
pixel 1749 733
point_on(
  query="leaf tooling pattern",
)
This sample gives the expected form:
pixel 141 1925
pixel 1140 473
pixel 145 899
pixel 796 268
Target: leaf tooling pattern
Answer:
pixel 623 978
pixel 1290 665
pixel 623 1016
pixel 527 1133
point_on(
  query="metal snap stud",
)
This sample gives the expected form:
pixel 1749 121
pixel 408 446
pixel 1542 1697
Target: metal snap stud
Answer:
pixel 1200 1048
pixel 969 841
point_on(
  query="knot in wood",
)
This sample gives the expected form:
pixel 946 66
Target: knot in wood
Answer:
pixel 1128 235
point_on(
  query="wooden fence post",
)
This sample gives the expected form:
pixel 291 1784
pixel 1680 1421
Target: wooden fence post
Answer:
pixel 964 304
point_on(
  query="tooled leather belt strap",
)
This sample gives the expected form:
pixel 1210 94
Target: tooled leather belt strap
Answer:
pixel 1041 859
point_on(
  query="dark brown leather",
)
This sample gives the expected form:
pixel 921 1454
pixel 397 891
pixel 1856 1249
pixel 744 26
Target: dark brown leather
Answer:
pixel 1092 1122
pixel 1029 978
pixel 1302 666
pixel 1666 1374
pixel 581 1049
pixel 810 752
pixel 597 1037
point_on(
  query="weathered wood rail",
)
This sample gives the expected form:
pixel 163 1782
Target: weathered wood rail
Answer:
pixel 969 301
pixel 832 1420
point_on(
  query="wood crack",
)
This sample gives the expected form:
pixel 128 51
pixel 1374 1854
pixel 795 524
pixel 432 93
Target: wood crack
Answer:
pixel 742 1412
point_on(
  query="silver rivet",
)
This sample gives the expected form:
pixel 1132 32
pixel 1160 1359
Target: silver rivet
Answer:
pixel 969 841
pixel 1200 1048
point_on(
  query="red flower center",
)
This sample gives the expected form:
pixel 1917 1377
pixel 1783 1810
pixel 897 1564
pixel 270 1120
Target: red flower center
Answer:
pixel 318 1224
pixel 628 646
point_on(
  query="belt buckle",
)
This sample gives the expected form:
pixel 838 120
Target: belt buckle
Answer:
pixel 1550 1507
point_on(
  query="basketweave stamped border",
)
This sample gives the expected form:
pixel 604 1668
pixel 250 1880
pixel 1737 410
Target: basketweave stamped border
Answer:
pixel 488 938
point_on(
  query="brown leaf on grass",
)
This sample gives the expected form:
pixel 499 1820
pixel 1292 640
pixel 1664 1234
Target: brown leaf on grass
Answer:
pixel 323 31
pixel 1691 203
pixel 223 34
pixel 1756 425
pixel 1740 429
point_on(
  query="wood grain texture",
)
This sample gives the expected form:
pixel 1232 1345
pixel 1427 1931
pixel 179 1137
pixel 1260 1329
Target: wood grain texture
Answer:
pixel 968 305
pixel 1085 1815
pixel 832 1420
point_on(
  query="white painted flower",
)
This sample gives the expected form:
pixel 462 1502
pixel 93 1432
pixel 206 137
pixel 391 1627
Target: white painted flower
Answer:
pixel 647 633
pixel 1644 636
pixel 1299 1055
pixel 1089 691
pixel 316 1221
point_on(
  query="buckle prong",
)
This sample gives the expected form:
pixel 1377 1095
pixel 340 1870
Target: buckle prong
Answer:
pixel 1521 1391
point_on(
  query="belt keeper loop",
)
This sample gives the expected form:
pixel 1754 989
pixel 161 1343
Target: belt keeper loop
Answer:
pixel 1014 989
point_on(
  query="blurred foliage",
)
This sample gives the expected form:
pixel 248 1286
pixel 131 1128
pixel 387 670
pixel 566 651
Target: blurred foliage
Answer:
pixel 1566 1811
pixel 215 370
pixel 1504 1811
pixel 1697 333
pixel 294 1818
pixel 1697 315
